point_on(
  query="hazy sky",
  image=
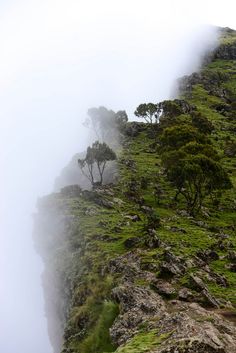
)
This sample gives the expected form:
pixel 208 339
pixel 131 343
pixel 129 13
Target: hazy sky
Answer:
pixel 57 59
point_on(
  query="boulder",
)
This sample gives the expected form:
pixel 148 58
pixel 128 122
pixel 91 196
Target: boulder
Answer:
pixel 137 305
pixel 164 288
pixel 185 294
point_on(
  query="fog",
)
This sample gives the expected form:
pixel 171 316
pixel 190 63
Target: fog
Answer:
pixel 59 58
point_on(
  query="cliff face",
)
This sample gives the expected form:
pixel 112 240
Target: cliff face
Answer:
pixel 128 269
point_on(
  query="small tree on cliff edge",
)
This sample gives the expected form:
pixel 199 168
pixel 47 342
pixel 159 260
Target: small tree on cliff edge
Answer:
pixel 149 112
pixel 96 160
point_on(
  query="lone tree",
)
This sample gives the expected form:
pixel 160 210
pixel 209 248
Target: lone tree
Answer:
pixel 95 161
pixel 149 112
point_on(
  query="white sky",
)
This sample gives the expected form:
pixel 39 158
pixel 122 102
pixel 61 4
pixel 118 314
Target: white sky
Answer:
pixel 57 59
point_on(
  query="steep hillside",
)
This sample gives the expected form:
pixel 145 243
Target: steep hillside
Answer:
pixel 130 266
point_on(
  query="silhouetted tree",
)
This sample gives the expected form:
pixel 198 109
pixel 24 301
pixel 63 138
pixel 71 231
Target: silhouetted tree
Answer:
pixel 96 160
pixel 105 122
pixel 149 112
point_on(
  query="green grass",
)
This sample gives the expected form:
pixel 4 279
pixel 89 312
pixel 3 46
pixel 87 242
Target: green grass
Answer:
pixel 143 342
pixel 99 339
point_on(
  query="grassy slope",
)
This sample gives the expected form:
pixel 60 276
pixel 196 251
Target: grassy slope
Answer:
pixel 105 231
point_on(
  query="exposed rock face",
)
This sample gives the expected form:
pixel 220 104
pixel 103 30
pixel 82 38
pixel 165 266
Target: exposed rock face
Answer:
pixel 192 333
pixel 137 305
pixel 226 52
pixel 188 327
pixel 211 84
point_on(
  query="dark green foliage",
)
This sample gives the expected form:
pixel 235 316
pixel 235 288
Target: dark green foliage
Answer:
pixel 195 177
pixel 194 148
pixel 230 149
pixel 149 112
pixel 98 155
pixel 202 123
pixel 179 135
pixel 170 108
pixel 191 162
pixel 153 220
pixel 158 193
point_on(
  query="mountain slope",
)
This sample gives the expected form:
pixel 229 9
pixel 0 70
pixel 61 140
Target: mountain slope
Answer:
pixel 128 269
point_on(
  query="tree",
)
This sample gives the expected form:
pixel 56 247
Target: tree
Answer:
pixel 96 160
pixel 149 112
pixel 202 123
pixel 101 120
pixel 105 122
pixel 195 177
pixel 177 136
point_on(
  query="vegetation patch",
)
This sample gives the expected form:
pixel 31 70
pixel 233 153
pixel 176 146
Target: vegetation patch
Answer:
pixel 143 342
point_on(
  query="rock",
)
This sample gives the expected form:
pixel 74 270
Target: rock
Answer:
pixel 127 265
pixel 149 266
pixel 71 191
pixel 226 51
pixel 214 229
pixel 152 240
pixel 147 210
pixel 104 203
pixel 223 245
pixel 232 256
pixel 200 224
pixel 197 283
pixel 133 218
pixel 222 236
pixel 118 201
pixel 192 329
pixel 208 255
pixel 219 279
pixel 185 294
pixel 137 305
pixel 102 224
pixel 183 213
pixel 210 300
pixel 89 211
pixel 130 163
pixel 172 265
pixel 132 242
pixel 169 270
pixel 232 267
pixel 134 128
pixel 164 288
pixel 200 286
pixel 178 230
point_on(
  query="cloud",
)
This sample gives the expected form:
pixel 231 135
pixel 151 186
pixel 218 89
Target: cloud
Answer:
pixel 58 58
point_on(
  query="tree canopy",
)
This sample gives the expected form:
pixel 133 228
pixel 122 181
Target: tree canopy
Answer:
pixel 104 122
pixel 191 162
pixel 149 112
pixel 95 161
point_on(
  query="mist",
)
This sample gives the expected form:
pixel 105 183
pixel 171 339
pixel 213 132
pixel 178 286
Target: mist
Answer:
pixel 57 60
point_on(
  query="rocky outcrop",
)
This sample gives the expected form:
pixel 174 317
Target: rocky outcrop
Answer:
pixel 137 305
pixel 187 328
pixel 225 52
